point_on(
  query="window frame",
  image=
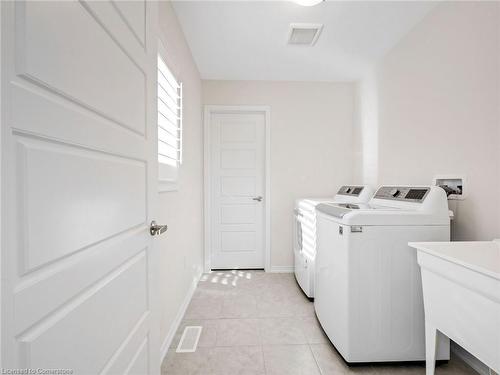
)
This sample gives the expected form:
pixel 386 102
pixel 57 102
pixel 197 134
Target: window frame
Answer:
pixel 168 175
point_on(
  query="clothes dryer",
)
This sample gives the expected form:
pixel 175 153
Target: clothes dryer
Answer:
pixel 304 233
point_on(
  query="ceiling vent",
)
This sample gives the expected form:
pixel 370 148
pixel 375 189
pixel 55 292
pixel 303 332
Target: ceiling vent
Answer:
pixel 305 34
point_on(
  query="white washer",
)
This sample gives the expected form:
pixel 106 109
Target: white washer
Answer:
pixel 304 234
pixel 368 290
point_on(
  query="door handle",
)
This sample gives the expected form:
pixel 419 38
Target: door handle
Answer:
pixel 258 199
pixel 156 229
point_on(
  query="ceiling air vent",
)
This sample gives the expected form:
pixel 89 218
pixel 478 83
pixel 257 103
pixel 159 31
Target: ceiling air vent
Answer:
pixel 304 34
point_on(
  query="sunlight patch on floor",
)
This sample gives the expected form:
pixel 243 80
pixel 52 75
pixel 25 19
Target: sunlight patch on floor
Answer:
pixel 226 277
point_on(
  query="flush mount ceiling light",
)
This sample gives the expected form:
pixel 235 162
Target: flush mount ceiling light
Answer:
pixel 307 3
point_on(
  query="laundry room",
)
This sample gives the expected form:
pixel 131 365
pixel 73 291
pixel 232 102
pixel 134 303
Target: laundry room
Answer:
pixel 250 187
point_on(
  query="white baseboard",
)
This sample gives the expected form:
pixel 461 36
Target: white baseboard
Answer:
pixel 468 358
pixel 282 269
pixel 178 318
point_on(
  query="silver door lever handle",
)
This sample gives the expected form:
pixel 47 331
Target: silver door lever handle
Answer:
pixel 156 229
pixel 258 199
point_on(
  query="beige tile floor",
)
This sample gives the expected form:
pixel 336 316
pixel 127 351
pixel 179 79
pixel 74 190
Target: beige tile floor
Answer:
pixel 260 323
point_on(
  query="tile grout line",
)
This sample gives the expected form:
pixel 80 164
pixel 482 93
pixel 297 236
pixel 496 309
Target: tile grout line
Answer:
pixel 315 359
pixel 263 359
pixel 262 349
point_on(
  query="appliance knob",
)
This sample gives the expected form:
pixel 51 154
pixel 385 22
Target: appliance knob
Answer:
pixel 394 193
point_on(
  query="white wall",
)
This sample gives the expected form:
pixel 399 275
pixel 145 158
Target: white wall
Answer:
pixel 182 210
pixel 365 131
pixel 438 111
pixel 311 143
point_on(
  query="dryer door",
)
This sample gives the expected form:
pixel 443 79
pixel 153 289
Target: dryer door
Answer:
pixel 303 270
pixel 297 231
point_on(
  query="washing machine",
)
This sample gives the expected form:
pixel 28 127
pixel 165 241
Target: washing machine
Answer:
pixel 304 233
pixel 368 290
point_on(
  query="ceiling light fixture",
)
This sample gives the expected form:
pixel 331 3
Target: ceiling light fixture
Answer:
pixel 308 3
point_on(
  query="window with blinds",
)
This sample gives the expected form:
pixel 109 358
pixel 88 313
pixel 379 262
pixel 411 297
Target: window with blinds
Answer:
pixel 169 123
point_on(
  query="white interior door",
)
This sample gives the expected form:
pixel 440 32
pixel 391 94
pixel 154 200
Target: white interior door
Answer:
pixel 238 189
pixel 78 181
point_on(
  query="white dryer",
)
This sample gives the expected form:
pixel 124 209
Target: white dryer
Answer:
pixel 304 234
pixel 368 290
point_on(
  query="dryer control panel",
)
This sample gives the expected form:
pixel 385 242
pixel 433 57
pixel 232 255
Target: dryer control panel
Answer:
pixel 402 193
pixel 352 191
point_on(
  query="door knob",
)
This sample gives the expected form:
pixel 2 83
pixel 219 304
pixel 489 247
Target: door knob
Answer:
pixel 156 229
pixel 258 199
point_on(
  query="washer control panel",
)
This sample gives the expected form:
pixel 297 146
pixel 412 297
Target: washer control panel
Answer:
pixel 402 193
pixel 352 191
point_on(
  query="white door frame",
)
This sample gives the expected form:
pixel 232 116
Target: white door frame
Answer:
pixel 207 144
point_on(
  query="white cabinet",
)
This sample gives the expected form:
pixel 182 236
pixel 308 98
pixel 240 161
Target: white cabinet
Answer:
pixel 461 289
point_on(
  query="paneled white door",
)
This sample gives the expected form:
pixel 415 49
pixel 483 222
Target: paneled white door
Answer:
pixel 238 189
pixel 79 178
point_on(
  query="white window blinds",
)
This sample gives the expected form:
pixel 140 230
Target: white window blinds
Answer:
pixel 169 122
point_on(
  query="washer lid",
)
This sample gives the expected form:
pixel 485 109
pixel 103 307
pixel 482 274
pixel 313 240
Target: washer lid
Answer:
pixel 339 210
pixel 309 204
pixel 333 210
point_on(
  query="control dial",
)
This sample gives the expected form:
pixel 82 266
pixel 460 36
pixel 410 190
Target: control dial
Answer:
pixel 394 193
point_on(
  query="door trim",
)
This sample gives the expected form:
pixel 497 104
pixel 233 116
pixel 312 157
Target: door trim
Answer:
pixel 207 209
